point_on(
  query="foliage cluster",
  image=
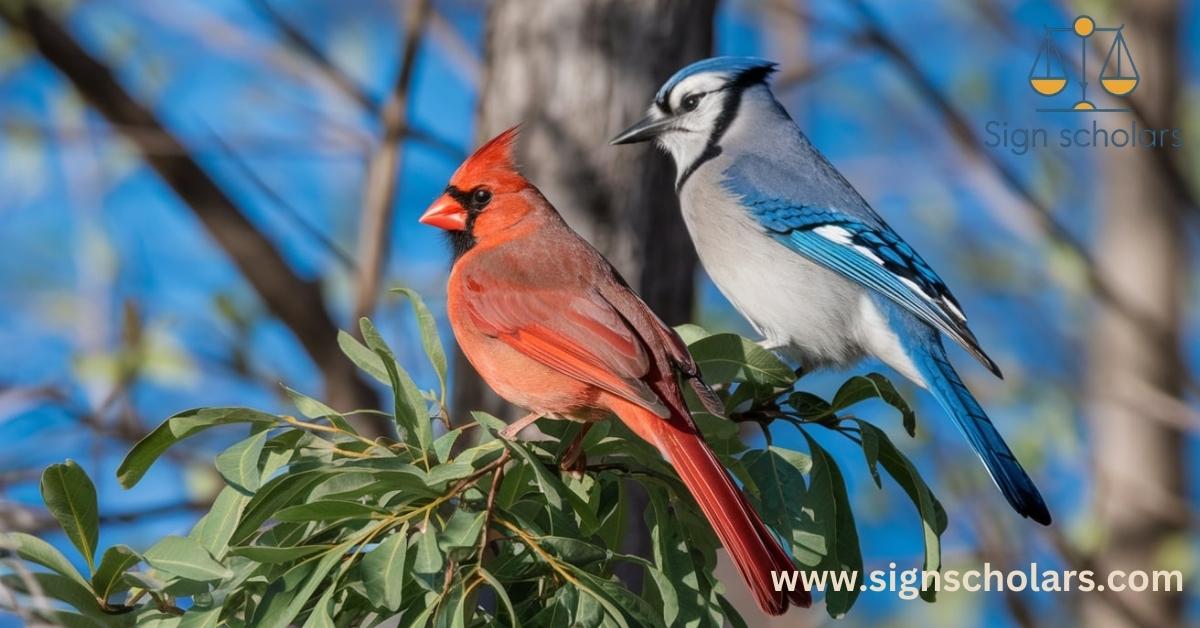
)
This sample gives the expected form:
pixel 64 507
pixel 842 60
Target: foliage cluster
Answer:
pixel 449 525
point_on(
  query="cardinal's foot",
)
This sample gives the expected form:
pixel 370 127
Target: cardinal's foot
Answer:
pixel 510 431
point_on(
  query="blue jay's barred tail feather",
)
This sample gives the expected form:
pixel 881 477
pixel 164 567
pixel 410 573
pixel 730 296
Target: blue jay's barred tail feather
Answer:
pixel 974 424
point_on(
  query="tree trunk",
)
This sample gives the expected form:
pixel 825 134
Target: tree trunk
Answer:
pixel 575 74
pixel 1136 374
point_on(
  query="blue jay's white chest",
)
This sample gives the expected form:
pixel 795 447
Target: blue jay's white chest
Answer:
pixel 798 306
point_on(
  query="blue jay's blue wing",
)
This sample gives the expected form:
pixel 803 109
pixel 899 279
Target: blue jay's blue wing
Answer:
pixel 864 249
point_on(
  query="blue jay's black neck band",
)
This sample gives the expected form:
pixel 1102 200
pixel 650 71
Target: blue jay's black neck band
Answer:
pixel 712 148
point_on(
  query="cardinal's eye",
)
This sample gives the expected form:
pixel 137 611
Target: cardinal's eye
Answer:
pixel 480 198
pixel 691 101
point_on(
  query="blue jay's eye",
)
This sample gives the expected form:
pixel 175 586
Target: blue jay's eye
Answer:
pixel 691 101
pixel 480 198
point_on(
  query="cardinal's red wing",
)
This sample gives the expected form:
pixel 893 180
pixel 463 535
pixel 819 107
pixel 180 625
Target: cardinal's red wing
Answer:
pixel 578 334
pixel 632 308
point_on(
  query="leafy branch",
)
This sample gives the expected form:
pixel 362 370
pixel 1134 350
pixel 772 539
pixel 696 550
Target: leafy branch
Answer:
pixel 321 526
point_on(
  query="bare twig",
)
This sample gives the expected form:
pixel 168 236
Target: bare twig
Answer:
pixel 288 210
pixel 311 51
pixel 497 478
pixel 375 231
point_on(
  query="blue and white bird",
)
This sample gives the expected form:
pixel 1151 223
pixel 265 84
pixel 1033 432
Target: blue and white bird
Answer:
pixel 803 257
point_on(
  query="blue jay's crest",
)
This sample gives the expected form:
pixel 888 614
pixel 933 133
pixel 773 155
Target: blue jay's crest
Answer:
pixel 732 66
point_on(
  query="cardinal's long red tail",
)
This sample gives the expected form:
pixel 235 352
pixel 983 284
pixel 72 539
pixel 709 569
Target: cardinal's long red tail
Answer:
pixel 749 542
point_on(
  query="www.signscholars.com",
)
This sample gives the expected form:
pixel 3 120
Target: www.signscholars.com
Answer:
pixel 907 583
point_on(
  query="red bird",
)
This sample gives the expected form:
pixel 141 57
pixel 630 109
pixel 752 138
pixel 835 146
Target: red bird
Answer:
pixel 552 327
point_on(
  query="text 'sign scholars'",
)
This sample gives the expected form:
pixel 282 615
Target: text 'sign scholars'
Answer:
pixel 1020 140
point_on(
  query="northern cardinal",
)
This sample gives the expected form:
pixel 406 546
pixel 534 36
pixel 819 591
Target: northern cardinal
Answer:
pixel 551 327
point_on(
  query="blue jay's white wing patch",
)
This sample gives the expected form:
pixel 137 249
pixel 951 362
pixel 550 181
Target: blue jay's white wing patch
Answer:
pixel 872 255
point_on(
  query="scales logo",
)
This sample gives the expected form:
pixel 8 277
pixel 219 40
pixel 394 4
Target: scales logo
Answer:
pixel 1051 76
pixel 1118 75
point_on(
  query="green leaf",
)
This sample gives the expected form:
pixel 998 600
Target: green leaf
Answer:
pixel 862 387
pixel 682 582
pixel 870 447
pixel 831 509
pixel 412 415
pixel 108 577
pixel 42 553
pixel 729 358
pixel 383 569
pixel 445 473
pixel 273 555
pixel 328 510
pixel 421 620
pixel 490 425
pixel 690 333
pixel 452 611
pixel 286 596
pixel 183 557
pixel 429 555
pixel 239 464
pixel 143 580
pixel 58 587
pixel 430 338
pixel 799 460
pixel 462 530
pixel 782 500
pixel 363 358
pixel 552 488
pixel 732 617
pixel 721 434
pixel 179 427
pixel 151 617
pixel 501 594
pixel 445 444
pixel 315 409
pixel 618 602
pixel 198 617
pixel 611 528
pixel 933 516
pixel 274 495
pixel 557 611
pixel 810 406
pixel 214 530
pixel 71 497
pixel 65 619
pixel 322 612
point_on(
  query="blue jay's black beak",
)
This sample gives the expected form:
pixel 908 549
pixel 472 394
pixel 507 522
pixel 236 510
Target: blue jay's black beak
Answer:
pixel 643 130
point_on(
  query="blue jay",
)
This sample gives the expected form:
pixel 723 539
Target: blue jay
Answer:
pixel 803 257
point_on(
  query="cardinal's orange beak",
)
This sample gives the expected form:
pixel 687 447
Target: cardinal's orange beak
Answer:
pixel 445 213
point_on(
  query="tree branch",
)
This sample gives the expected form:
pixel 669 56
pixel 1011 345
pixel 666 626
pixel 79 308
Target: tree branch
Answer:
pixel 301 42
pixel 379 199
pixel 297 302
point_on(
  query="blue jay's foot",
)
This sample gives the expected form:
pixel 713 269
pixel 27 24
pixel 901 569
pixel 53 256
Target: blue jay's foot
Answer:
pixel 771 345
pixel 763 414
pixel 780 349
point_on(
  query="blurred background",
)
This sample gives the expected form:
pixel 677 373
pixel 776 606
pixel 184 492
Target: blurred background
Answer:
pixel 196 194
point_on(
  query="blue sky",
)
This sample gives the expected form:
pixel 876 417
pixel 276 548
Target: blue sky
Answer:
pixel 84 227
